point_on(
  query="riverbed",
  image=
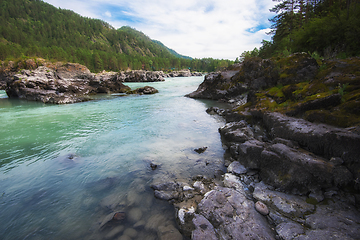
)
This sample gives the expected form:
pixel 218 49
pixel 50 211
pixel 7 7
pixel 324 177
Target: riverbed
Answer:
pixel 64 168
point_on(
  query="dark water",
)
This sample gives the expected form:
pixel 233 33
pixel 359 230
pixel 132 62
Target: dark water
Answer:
pixel 64 168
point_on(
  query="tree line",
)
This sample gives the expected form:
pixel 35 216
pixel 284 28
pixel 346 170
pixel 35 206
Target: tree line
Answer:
pixel 33 28
pixel 327 28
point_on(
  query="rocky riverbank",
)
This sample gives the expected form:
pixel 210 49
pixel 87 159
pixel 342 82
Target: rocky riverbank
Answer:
pixel 287 177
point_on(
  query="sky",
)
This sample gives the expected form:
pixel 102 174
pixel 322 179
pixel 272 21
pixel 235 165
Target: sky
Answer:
pixel 220 29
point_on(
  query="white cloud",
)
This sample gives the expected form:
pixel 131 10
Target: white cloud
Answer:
pixel 197 28
pixel 108 14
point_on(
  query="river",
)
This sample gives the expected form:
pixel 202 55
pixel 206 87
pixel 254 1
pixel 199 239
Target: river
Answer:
pixel 64 168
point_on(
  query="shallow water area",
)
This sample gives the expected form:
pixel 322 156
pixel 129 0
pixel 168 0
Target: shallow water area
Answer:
pixel 66 168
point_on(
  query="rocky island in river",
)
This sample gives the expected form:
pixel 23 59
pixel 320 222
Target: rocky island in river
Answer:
pixel 63 83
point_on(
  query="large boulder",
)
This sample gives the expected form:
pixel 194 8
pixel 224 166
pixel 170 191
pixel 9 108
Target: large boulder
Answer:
pixel 233 215
pixel 215 86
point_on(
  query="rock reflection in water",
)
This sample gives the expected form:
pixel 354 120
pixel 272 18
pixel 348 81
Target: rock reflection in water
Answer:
pixel 133 213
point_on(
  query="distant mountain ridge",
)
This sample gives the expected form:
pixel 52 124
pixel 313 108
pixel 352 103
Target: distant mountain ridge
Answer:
pixel 172 51
pixel 33 28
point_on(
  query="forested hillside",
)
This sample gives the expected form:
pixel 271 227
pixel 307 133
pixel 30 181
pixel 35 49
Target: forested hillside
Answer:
pixel 33 28
pixel 326 28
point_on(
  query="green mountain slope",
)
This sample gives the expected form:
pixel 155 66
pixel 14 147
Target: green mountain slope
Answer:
pixel 33 28
pixel 171 50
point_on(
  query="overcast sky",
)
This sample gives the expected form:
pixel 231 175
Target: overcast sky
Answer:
pixel 220 29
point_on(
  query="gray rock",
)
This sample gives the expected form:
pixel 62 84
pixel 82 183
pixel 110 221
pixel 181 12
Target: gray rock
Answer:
pixel 169 232
pixel 199 186
pixel 140 76
pixel 233 216
pixel 124 237
pixel 236 132
pixel 320 139
pixel 166 195
pixel 144 90
pixel 165 186
pixel 333 221
pixel 317 195
pixel 200 150
pixel 288 205
pixel 232 181
pixel 236 168
pixel 286 142
pixel 131 232
pixel 289 230
pixel 134 215
pixel 249 153
pixel 115 231
pixel 336 161
pixel 203 229
pixel 155 221
pixel 288 169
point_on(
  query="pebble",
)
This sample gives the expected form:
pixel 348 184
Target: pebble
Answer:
pixel 140 223
pixel 130 232
pixel 133 198
pixel 134 215
pixel 187 188
pixel 261 208
pixel 114 232
pixel 124 237
pixel 154 221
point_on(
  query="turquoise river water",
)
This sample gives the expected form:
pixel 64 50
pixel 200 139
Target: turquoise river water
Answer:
pixel 64 168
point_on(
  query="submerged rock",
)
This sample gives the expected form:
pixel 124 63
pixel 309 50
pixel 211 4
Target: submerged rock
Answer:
pixel 134 215
pixel 200 150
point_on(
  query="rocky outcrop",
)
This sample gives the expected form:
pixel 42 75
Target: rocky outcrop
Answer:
pixel 68 83
pixel 297 156
pixel 255 74
pixel 71 83
pixel 295 218
pixel 140 76
pixel 244 207
pixel 152 76
pixel 320 139
pixel 183 73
